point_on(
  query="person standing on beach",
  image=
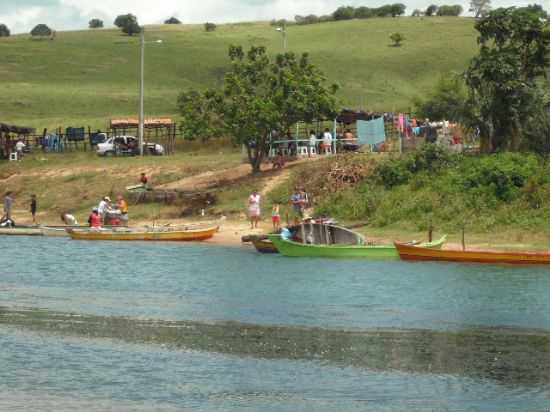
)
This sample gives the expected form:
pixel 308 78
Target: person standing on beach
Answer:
pixel 276 216
pixel 33 208
pixel 8 202
pixel 254 209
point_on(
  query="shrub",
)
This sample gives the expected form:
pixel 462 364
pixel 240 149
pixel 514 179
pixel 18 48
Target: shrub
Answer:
pixel 172 20
pixel 95 24
pixel 445 10
pixel 4 31
pixel 41 30
pixel 397 38
pixel 209 27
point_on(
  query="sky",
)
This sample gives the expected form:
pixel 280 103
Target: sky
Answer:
pixel 22 15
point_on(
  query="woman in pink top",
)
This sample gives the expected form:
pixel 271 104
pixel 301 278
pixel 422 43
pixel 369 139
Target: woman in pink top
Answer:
pixel 254 209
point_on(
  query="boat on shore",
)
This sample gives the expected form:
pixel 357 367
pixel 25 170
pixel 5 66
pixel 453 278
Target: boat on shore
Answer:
pixel 21 231
pixel 419 253
pixel 58 231
pixel 160 233
pixel 295 248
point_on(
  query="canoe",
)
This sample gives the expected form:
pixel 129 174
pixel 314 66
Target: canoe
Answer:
pixel 150 234
pixel 297 249
pixel 21 231
pixel 316 233
pixel 58 231
pixel 408 252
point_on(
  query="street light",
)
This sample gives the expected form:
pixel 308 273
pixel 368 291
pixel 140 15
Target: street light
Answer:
pixel 141 86
pixel 282 30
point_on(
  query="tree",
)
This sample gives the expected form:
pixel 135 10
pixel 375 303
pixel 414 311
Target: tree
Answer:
pixel 431 10
pixel 344 13
pixel 455 10
pixel 41 30
pixel 259 95
pixel 480 8
pixel 210 27
pixel 447 102
pixel 363 12
pixel 172 20
pixel 503 77
pixel 397 38
pixel 95 24
pixel 397 9
pixel 128 23
pixel 4 31
pixel 417 13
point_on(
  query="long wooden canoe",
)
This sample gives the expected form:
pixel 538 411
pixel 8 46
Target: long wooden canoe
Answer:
pixel 297 249
pixel 408 252
pixel 163 234
pixel 21 231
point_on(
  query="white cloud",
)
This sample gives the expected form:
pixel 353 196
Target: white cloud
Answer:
pixel 22 15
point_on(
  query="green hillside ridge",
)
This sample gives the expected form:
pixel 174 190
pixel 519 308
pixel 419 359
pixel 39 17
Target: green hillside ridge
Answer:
pixel 86 77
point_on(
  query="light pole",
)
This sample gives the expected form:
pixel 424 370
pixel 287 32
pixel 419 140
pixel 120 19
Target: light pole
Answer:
pixel 283 32
pixel 142 86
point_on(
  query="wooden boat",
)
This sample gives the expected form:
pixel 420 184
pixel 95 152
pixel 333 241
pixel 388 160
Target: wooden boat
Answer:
pixel 299 249
pixel 315 232
pixel 157 233
pixel 408 252
pixel 58 231
pixel 21 231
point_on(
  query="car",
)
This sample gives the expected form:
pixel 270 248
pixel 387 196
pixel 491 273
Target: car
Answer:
pixel 127 145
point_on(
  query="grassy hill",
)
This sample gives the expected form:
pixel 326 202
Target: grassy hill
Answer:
pixel 86 77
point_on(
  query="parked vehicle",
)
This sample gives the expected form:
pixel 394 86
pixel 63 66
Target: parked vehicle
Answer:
pixel 127 145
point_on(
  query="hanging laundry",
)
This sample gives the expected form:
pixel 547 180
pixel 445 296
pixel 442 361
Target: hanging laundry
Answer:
pixel 371 132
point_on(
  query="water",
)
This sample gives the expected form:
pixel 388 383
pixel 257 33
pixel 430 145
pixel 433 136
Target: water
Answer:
pixel 166 327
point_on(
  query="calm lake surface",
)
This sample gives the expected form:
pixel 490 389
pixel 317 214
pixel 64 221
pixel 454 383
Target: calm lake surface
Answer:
pixel 171 327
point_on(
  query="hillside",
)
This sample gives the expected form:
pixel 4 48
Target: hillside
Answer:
pixel 86 77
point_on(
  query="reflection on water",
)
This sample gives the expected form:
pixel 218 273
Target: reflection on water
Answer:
pixel 506 356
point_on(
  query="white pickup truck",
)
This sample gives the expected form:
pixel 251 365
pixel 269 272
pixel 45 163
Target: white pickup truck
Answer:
pixel 127 145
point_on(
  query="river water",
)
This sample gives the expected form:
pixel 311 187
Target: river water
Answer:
pixel 101 326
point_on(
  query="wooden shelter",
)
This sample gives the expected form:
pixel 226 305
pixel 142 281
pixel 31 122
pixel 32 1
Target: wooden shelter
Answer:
pixel 163 128
pixel 9 134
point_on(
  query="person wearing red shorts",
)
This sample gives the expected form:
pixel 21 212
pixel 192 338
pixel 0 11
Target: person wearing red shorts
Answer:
pixel 276 216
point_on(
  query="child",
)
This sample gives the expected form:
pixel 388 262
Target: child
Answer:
pixel 33 208
pixel 276 216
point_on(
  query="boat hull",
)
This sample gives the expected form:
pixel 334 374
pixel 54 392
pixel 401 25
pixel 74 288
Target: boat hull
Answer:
pixel 295 249
pixel 407 252
pixel 21 231
pixel 264 245
pixel 145 235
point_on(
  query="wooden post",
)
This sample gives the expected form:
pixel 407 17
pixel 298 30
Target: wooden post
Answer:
pixel 430 232
pixel 463 240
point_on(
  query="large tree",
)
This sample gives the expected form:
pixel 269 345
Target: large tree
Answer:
pixel 95 24
pixel 128 24
pixel 41 30
pixel 480 8
pixel 504 77
pixel 4 31
pixel 259 95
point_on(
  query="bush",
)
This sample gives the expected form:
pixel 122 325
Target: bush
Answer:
pixel 446 102
pixel 455 10
pixel 41 30
pixel 309 19
pixel 95 24
pixel 344 13
pixel 4 31
pixel 397 38
pixel 172 20
pixel 209 27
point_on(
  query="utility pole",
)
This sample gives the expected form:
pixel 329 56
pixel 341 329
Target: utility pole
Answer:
pixel 141 89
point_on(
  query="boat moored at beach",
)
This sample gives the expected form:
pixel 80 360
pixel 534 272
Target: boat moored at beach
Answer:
pixel 409 252
pixel 160 233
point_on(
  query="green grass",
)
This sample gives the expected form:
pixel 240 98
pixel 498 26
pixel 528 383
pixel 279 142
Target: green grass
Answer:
pixel 87 77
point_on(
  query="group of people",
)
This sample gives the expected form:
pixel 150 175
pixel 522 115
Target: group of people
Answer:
pixel 299 201
pixel 107 213
pixel 322 143
pixel 7 219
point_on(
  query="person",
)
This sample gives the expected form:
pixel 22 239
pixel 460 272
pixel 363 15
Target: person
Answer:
pixel 276 216
pixel 286 234
pixel 327 141
pixel 312 143
pixel 68 219
pixel 122 206
pixel 297 204
pixel 19 146
pixel 33 208
pixel 350 142
pixel 279 161
pixel 254 209
pixel 143 180
pixel 95 219
pixel 104 207
pixel 8 202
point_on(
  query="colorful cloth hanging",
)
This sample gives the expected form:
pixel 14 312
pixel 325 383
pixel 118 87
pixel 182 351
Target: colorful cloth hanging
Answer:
pixel 371 132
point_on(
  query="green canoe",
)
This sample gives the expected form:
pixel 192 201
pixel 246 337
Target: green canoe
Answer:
pixel 297 249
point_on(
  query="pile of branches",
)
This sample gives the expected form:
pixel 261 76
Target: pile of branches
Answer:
pixel 334 174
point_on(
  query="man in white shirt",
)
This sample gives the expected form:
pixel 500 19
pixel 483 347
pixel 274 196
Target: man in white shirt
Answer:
pixel 19 146
pixel 327 141
pixel 103 207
